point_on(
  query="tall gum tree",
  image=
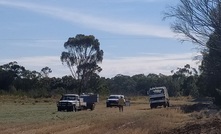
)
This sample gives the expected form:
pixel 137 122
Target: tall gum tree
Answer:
pixel 200 22
pixel 82 57
pixel 196 19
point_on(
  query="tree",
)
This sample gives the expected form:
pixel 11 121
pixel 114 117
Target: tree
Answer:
pixel 82 56
pixel 142 85
pixel 45 71
pixel 122 84
pixel 196 19
pixel 69 84
pixel 186 77
pixel 6 79
pixel 14 68
pixel 200 22
pixel 16 76
pixel 211 67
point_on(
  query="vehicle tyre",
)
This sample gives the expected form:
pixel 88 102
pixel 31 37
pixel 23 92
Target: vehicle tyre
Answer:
pixel 107 105
pixel 165 105
pixel 151 106
pixel 59 109
pixel 92 107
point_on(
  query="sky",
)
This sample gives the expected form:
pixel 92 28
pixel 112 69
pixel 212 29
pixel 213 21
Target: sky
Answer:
pixel 132 34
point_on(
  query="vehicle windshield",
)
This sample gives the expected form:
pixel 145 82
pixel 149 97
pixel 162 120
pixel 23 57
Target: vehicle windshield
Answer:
pixel 68 98
pixel 156 91
pixel 114 97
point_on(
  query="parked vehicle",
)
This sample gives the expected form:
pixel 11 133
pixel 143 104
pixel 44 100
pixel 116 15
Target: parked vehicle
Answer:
pixel 112 100
pixel 158 96
pixel 74 102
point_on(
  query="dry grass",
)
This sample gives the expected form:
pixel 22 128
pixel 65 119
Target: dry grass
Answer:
pixel 26 117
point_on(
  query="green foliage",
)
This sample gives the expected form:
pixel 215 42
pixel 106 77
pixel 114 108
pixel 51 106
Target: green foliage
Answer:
pixel 45 71
pixel 180 83
pixel 200 22
pixel 6 79
pixel 82 56
pixel 211 67
pixel 122 84
pixel 217 96
pixel 185 80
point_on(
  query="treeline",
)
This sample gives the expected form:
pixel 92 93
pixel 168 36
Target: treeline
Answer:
pixel 17 80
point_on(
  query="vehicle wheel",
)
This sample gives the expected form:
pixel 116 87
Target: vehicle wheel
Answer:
pixel 59 109
pixel 151 106
pixel 165 105
pixel 92 107
pixel 107 105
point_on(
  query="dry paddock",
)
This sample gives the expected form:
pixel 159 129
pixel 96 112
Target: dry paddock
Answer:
pixel 41 117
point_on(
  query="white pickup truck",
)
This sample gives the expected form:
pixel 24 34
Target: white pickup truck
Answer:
pixel 112 100
pixel 158 96
pixel 74 102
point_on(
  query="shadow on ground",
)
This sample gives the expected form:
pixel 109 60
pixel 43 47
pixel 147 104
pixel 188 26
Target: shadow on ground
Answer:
pixel 195 107
pixel 206 119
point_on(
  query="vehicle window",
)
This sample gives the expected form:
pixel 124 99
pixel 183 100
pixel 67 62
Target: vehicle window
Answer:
pixel 68 98
pixel 156 91
pixel 113 97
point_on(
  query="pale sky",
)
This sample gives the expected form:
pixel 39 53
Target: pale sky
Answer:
pixel 131 33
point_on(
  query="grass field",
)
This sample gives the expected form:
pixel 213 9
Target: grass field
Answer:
pixel 24 115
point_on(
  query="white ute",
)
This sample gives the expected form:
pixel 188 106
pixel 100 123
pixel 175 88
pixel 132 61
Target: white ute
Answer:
pixel 112 100
pixel 74 102
pixel 158 96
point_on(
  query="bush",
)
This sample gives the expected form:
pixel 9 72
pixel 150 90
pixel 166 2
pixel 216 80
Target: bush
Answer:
pixel 217 96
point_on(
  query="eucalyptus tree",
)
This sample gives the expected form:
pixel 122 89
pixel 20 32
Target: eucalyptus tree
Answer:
pixel 6 79
pixel 46 71
pixel 186 78
pixel 14 68
pixel 196 19
pixel 200 22
pixel 142 84
pixel 211 69
pixel 82 57
pixel 122 84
